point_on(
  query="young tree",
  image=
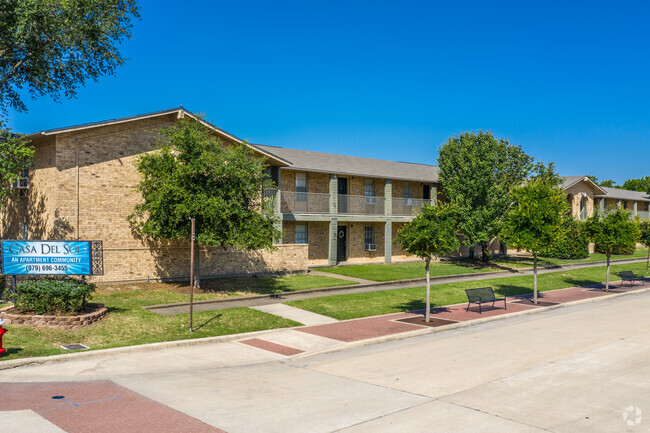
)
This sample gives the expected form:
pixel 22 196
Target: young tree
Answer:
pixel 644 238
pixel 51 47
pixel 194 175
pixel 536 216
pixel 477 173
pixel 611 231
pixel 430 234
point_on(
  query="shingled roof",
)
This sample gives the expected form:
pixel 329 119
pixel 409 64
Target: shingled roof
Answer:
pixel 308 160
pixel 624 194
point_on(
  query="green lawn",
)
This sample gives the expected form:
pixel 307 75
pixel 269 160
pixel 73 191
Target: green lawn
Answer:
pixel 394 301
pixel 129 324
pixel 402 271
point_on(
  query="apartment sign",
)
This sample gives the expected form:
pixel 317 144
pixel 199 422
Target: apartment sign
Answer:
pixel 52 258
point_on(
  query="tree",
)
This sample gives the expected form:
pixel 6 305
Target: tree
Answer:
pixel 477 173
pixel 608 183
pixel 430 234
pixel 15 156
pixel 536 216
pixel 641 184
pixel 194 175
pixel 644 238
pixel 612 230
pixel 51 47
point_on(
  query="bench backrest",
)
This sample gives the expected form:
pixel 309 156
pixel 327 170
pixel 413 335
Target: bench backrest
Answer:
pixel 480 294
pixel 627 274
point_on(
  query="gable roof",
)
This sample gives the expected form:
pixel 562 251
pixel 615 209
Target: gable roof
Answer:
pixel 308 160
pixel 178 111
pixel 624 194
pixel 569 181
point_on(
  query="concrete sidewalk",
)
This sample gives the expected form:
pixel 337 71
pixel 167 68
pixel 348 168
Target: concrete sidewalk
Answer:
pixel 258 300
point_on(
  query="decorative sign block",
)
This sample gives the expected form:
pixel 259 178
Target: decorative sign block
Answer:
pixel 52 258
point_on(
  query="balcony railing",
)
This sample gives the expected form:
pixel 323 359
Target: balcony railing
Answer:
pixel 319 203
pixel 408 206
pixel 644 214
pixel 304 202
pixel 361 205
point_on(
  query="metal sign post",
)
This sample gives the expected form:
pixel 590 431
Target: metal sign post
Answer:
pixel 192 273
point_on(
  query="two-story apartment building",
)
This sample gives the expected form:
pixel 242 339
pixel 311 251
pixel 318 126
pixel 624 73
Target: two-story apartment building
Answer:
pixel 331 208
pixel 585 196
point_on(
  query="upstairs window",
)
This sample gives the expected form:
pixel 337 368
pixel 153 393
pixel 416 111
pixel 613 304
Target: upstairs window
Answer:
pixel 301 186
pixel 407 190
pixel 369 188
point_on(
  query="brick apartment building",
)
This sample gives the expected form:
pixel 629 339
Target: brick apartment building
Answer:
pixel 332 208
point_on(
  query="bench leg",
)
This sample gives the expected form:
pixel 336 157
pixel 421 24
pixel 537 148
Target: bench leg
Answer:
pixel 467 309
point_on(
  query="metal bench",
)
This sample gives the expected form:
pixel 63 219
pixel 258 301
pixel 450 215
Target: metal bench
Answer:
pixel 482 295
pixel 629 276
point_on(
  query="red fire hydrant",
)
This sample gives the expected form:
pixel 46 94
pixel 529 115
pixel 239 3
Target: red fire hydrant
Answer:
pixel 2 332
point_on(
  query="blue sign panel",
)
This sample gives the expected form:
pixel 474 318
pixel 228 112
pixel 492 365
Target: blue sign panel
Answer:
pixel 46 258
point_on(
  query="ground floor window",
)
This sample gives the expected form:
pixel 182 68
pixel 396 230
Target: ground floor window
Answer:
pixel 301 233
pixel 370 238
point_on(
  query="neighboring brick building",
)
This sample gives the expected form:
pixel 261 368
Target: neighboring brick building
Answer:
pixel 331 208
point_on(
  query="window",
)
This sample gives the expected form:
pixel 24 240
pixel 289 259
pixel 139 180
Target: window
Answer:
pixel 370 188
pixel 25 231
pixel 301 186
pixel 407 190
pixel 301 233
pixel 583 208
pixel 370 234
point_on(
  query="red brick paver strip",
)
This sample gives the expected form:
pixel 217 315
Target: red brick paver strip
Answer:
pixel 459 313
pixel 98 407
pixel 362 329
pixel 272 347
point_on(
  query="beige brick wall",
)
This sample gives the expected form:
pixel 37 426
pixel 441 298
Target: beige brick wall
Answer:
pixel 82 186
pixel 574 195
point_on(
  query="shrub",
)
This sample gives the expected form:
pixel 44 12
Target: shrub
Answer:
pixel 51 296
pixel 571 241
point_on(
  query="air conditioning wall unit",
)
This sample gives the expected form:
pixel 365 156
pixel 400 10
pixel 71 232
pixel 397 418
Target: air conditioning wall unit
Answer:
pixel 371 247
pixel 371 200
pixel 411 202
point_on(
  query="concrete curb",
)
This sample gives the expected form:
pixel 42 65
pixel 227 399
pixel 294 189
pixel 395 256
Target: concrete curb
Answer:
pixel 450 278
pixel 68 357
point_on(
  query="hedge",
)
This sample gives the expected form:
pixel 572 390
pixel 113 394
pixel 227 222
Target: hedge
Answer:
pixel 570 243
pixel 50 296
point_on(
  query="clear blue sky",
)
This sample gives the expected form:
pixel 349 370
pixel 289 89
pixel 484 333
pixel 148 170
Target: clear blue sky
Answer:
pixel 568 81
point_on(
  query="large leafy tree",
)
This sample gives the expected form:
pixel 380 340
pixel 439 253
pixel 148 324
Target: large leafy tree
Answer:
pixel 51 47
pixel 536 215
pixel 612 230
pixel 644 238
pixel 641 184
pixel 430 234
pixel 477 173
pixel 195 175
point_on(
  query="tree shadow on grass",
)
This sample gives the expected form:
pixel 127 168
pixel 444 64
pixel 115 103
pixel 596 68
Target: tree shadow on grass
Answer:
pixel 411 306
pixel 207 322
pixel 582 282
pixel 229 286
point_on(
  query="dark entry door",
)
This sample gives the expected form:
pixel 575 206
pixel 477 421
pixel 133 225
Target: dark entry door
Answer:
pixel 343 195
pixel 341 245
pixel 426 192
